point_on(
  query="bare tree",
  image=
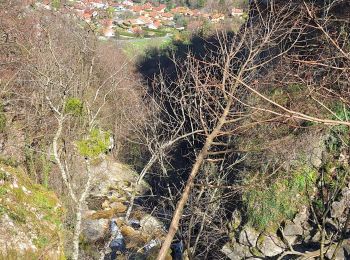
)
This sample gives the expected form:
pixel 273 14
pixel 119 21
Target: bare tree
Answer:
pixel 232 71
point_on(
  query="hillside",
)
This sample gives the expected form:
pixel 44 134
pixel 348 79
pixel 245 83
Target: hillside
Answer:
pixel 223 143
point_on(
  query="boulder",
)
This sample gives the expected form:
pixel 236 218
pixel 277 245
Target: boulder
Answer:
pixel 292 229
pixel 236 251
pixel 115 180
pixel 270 245
pixel 118 207
pixel 339 255
pixel 338 208
pixel 248 236
pixel 95 229
pixel 150 224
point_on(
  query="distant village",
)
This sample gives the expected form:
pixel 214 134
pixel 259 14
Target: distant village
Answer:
pixel 129 19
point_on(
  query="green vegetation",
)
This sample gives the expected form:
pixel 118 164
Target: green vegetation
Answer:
pixel 56 4
pixel 74 106
pixel 32 208
pixel 269 205
pixel 140 47
pixel 110 12
pixel 96 143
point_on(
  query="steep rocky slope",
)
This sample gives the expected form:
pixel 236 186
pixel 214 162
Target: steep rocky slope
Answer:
pixel 30 218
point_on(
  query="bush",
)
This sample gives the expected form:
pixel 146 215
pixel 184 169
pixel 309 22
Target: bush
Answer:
pixel 96 143
pixel 74 106
pixel 268 206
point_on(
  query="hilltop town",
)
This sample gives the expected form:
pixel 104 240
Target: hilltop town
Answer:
pixel 128 19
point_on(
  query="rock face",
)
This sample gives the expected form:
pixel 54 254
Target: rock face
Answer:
pixel 30 218
pixel 104 219
pixel 149 224
pixel 236 251
pixel 248 236
pixel 115 181
pixel 270 245
pixel 95 229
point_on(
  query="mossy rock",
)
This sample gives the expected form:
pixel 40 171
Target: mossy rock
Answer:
pixel 30 216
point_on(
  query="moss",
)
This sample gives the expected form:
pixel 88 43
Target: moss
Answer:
pixel 270 204
pixel 255 251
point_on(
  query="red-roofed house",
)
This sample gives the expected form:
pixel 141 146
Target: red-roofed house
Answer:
pixel 236 12
pixel 153 14
pixel 148 6
pixel 215 18
pixel 154 25
pixel 161 8
pixel 167 16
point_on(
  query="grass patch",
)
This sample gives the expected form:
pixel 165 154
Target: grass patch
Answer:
pixel 139 47
pixel 278 200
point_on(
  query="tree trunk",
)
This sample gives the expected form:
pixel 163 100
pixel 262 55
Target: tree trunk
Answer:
pixel 195 169
pixel 77 231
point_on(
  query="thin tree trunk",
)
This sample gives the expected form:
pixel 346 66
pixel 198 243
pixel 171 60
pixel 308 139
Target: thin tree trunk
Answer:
pixel 195 169
pixel 77 231
pixel 138 182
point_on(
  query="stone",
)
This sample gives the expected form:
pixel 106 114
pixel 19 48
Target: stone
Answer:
pixel 338 208
pixel 301 217
pixel 95 229
pixel 105 204
pixel 236 219
pixel 270 245
pixel 115 179
pixel 292 229
pixel 119 207
pixel 248 236
pixel 317 237
pixel 315 156
pixel 339 255
pixel 150 224
pixel 236 251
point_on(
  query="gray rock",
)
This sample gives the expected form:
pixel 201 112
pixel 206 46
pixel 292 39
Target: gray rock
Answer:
pixel 301 217
pixel 270 245
pixel 95 229
pixel 292 229
pixel 338 208
pixel 236 219
pixel 340 253
pixel 315 156
pixel 236 251
pixel 115 180
pixel 346 246
pixel 248 236
pixel 317 237
pixel 150 224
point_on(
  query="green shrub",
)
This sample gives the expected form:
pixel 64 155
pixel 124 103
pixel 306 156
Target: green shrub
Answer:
pixel 96 143
pixel 56 4
pixel 74 106
pixel 267 207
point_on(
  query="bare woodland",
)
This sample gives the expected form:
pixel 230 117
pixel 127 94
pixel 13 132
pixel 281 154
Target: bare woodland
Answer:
pixel 210 127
